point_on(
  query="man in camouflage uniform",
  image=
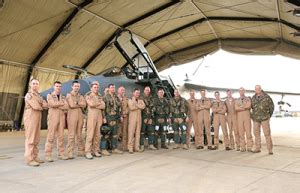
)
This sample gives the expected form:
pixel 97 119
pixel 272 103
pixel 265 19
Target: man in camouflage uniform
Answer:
pixel 262 110
pixel 147 120
pixel 112 115
pixel 179 118
pixel 161 114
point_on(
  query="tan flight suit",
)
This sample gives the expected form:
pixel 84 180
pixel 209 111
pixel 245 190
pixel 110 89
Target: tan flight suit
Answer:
pixel 75 122
pixel 219 109
pixel 56 123
pixel 242 107
pixel 32 124
pixel 232 123
pixel 123 129
pixel 135 123
pixel 95 105
pixel 193 121
pixel 203 107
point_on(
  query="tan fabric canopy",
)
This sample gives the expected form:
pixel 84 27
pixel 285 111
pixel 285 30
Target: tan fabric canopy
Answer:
pixel 38 37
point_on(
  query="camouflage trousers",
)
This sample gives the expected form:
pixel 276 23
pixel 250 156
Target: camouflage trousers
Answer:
pixel 160 131
pixel 147 129
pixel 113 137
pixel 180 129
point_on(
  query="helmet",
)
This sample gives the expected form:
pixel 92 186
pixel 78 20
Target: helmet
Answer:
pixel 105 129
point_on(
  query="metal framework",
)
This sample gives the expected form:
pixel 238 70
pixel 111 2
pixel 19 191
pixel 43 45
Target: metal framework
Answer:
pixel 45 48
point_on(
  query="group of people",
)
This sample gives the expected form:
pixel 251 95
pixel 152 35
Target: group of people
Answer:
pixel 132 119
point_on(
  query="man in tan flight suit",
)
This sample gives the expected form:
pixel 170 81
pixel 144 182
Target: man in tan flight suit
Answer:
pixel 75 117
pixel 203 114
pixel 95 106
pixel 193 121
pixel 219 109
pixel 262 110
pixel 242 107
pixel 34 105
pixel 56 122
pixel 232 121
pixel 136 105
pixel 123 129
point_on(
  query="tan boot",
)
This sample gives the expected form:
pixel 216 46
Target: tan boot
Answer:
pixel 142 148
pixel 151 147
pixel 70 156
pixel 49 159
pixel 185 147
pixel 256 151
pixel 130 151
pixel 33 163
pixel 89 156
pixel 176 146
pixel 96 154
pixel 116 151
pixel 63 157
pixel 38 160
pixel 105 152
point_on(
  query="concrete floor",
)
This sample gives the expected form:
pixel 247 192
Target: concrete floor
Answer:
pixel 183 171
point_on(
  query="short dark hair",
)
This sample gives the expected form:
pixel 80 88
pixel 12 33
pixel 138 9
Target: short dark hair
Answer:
pixel 202 90
pixel 34 79
pixel 57 82
pixel 75 82
pixel 217 92
pixel 135 89
pixel 110 85
pixel 160 89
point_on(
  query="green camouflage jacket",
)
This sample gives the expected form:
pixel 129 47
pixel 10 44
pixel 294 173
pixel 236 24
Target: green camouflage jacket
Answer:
pixel 148 111
pixel 161 107
pixel 112 106
pixel 262 107
pixel 179 107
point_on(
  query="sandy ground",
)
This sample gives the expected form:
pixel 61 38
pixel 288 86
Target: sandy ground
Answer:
pixel 183 171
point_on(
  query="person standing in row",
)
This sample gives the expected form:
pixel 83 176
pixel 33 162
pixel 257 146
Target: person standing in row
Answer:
pixel 232 121
pixel 179 116
pixel 262 110
pixel 123 129
pixel 242 107
pixel 56 122
pixel 161 114
pixel 148 120
pixel 193 121
pixel 95 106
pixel 76 103
pixel 203 107
pixel 34 105
pixel 136 105
pixel 113 116
pixel 219 110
